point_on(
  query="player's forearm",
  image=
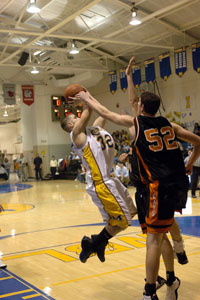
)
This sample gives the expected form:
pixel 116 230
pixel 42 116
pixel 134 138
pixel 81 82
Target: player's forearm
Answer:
pixel 132 95
pixel 98 107
pixel 85 115
pixel 124 120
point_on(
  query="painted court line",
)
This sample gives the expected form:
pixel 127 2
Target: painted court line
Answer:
pixel 105 273
pixel 13 286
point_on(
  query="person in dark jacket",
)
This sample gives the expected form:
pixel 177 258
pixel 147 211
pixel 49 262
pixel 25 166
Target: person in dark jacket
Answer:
pixel 38 167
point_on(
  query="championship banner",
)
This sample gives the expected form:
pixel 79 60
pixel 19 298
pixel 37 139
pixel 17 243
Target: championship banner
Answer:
pixel 165 68
pixel 113 81
pixel 9 94
pixel 196 57
pixel 136 75
pixel 180 61
pixel 28 94
pixel 123 80
pixel 150 74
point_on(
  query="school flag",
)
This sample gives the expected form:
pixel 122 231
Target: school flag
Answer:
pixel 28 94
pixel 150 74
pixel 180 61
pixel 123 80
pixel 136 75
pixel 196 57
pixel 113 81
pixel 165 68
pixel 9 94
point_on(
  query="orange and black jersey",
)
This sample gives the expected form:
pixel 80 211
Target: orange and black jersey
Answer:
pixel 157 149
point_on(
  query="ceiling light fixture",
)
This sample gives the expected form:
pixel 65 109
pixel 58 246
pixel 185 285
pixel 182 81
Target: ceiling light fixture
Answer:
pixel 32 7
pixel 37 52
pixel 135 20
pixel 35 71
pixel 74 49
pixel 5 113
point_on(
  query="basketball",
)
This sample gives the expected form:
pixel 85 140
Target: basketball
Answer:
pixel 72 90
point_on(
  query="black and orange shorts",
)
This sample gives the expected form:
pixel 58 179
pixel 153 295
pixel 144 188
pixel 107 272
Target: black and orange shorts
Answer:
pixel 163 199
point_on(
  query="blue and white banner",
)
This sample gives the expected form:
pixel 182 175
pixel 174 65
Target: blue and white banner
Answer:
pixel 136 75
pixel 9 94
pixel 196 57
pixel 150 74
pixel 180 60
pixel 165 68
pixel 113 81
pixel 123 80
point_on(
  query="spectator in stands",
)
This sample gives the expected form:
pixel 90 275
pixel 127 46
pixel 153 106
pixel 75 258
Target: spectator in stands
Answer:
pixel 196 129
pixel 7 166
pixel 195 177
pixel 81 176
pixel 119 152
pixel 23 170
pixel 38 167
pixel 122 173
pixel 73 162
pixel 3 173
pixel 126 147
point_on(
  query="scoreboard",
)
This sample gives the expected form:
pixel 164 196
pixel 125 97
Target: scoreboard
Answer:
pixel 60 109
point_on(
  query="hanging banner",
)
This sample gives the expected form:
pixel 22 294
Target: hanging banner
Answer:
pixel 165 68
pixel 136 75
pixel 113 81
pixel 123 80
pixel 28 94
pixel 196 57
pixel 150 74
pixel 180 60
pixel 9 94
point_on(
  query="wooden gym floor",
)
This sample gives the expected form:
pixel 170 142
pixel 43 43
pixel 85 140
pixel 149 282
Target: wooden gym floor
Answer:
pixel 41 229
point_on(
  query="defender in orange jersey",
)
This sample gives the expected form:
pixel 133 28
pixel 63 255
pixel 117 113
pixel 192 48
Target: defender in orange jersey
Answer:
pixel 162 168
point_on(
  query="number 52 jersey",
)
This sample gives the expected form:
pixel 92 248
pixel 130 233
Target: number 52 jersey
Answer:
pixel 157 149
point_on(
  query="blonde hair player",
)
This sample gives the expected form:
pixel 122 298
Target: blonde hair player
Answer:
pixel 95 146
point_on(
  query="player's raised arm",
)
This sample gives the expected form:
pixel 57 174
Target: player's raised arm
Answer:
pixel 80 126
pixel 123 120
pixel 133 98
pixel 77 126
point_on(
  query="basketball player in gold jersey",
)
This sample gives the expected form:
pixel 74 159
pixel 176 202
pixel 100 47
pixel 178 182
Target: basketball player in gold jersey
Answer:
pixel 95 147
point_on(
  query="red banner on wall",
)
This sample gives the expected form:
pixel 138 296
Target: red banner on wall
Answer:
pixel 28 94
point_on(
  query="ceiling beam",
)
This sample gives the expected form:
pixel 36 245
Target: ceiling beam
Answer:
pixel 11 36
pixel 6 6
pixel 84 38
pixel 151 16
pixel 54 28
pixel 10 21
pixel 190 25
pixel 154 15
pixel 56 67
pixel 172 27
pixel 158 37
